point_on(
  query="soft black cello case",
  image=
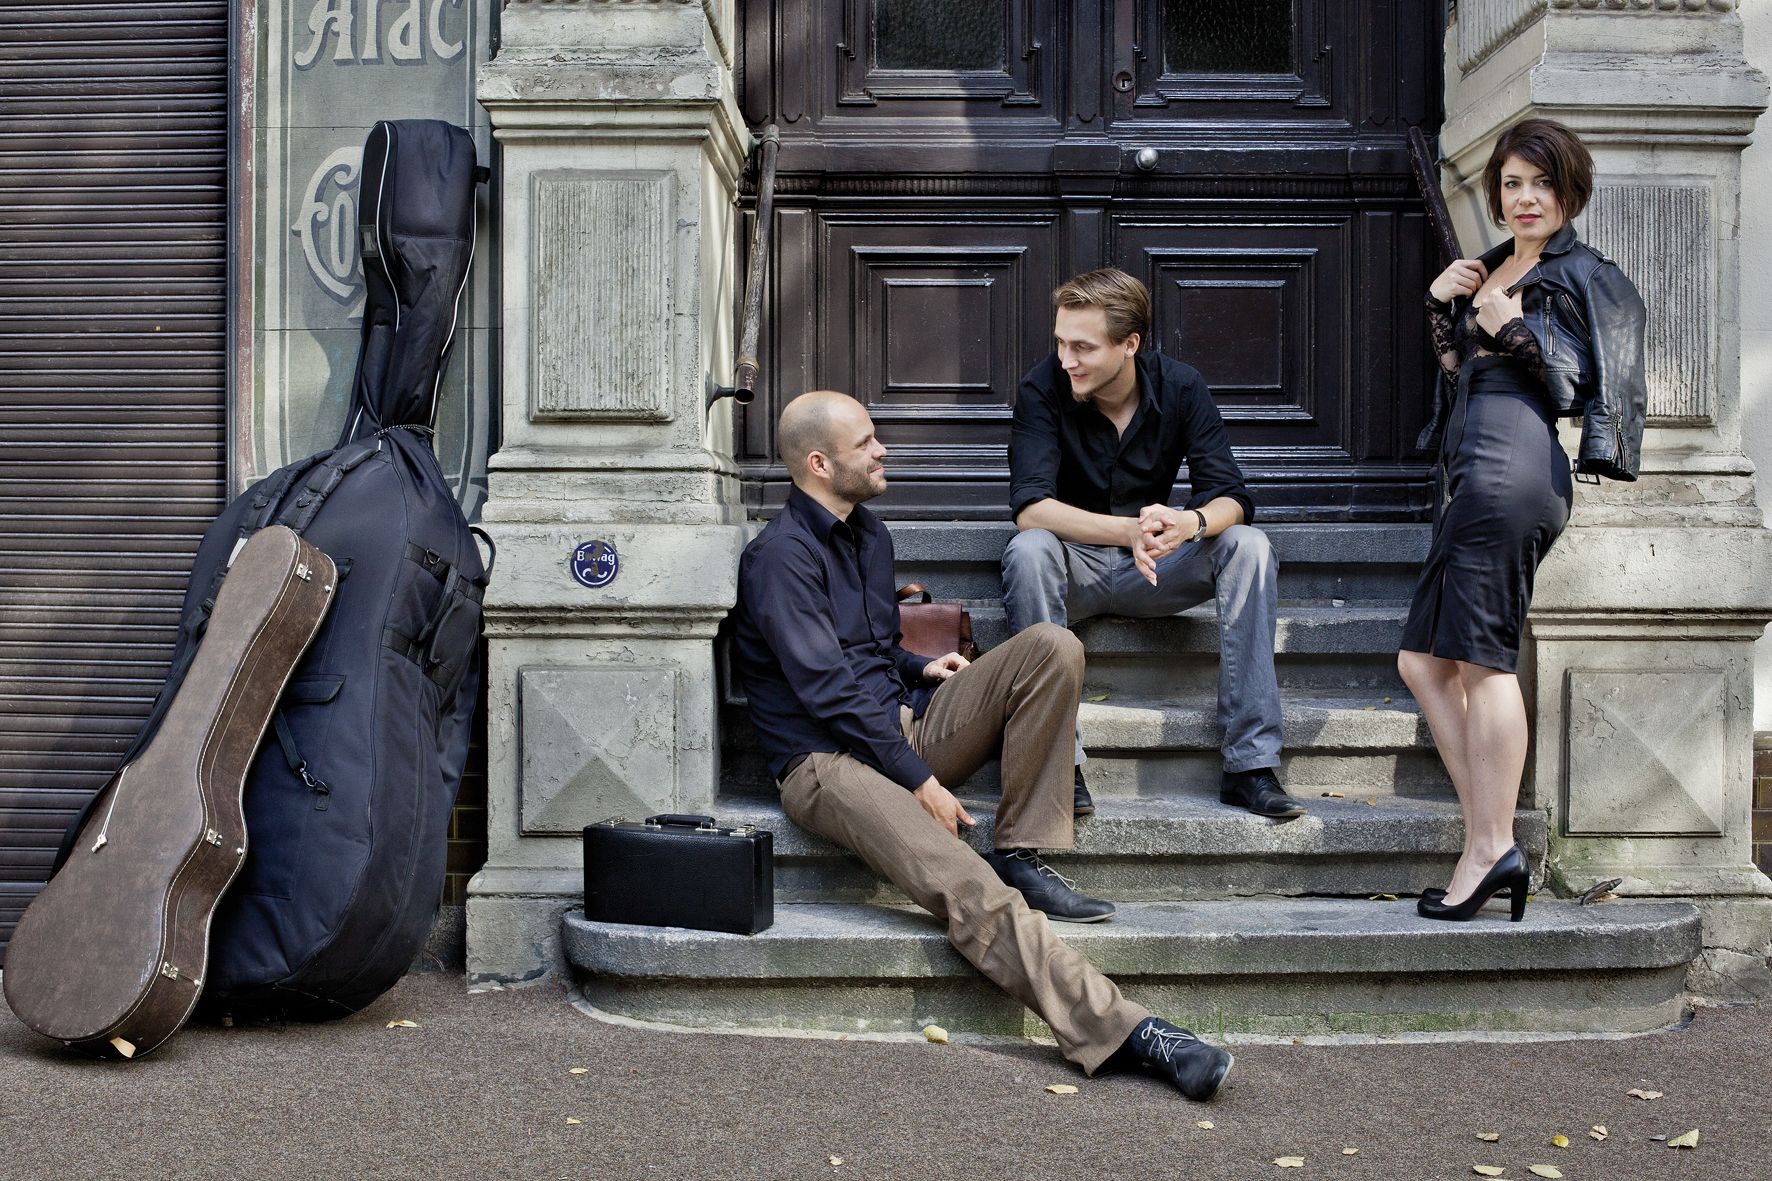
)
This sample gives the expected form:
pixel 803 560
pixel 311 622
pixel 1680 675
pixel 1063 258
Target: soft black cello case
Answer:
pixel 347 802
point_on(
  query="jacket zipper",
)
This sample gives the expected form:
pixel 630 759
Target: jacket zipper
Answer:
pixel 1574 312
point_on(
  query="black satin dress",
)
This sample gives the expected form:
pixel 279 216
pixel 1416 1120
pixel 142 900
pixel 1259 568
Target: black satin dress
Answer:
pixel 1509 492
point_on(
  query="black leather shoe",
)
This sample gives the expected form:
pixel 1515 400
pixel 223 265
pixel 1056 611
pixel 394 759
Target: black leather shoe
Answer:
pixel 1081 804
pixel 1509 874
pixel 1044 889
pixel 1260 792
pixel 1172 1053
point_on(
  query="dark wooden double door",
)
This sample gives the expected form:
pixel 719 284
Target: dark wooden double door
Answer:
pixel 946 163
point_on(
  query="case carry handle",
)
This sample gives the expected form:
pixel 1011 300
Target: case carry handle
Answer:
pixel 681 820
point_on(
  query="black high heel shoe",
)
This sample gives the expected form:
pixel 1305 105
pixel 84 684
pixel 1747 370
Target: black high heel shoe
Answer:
pixel 1508 874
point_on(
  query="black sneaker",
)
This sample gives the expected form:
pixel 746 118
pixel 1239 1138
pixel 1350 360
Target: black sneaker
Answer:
pixel 1260 792
pixel 1045 889
pixel 1081 804
pixel 1174 1054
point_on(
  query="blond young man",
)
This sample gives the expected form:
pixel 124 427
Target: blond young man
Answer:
pixel 1101 430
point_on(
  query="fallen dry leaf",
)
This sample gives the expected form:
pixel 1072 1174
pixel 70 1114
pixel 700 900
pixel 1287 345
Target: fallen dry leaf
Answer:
pixel 1544 1170
pixel 836 1160
pixel 1368 707
pixel 1641 1094
pixel 402 1024
pixel 1387 701
pixel 579 1070
pixel 1600 892
pixel 1098 697
pixel 1372 801
pixel 936 1034
pixel 1659 1138
pixel 1491 1137
pixel 570 1121
pixel 1289 1162
pixel 1062 1089
pixel 1598 1132
pixel 1488 1170
pixel 1686 1140
pixel 1207 1124
pixel 1350 1152
pixel 1560 1140
pixel 1382 898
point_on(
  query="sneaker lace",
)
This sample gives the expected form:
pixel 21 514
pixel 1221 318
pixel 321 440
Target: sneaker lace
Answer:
pixel 1167 1043
pixel 1033 859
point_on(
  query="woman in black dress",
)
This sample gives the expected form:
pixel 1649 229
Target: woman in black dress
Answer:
pixel 1541 327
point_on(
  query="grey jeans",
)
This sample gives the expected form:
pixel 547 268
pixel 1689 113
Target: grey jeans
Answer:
pixel 1048 580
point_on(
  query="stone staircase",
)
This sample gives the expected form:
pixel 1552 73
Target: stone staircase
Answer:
pixel 1228 922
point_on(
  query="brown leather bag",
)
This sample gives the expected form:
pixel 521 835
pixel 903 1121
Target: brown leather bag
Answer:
pixel 933 629
pixel 110 956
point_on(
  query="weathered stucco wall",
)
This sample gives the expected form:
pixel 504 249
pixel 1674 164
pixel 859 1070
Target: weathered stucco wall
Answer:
pixel 1756 317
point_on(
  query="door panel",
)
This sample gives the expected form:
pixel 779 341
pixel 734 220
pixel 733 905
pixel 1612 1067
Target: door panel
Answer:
pixel 926 319
pixel 1260 310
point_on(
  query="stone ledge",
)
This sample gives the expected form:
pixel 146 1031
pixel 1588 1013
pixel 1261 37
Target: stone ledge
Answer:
pixel 1173 940
pixel 1196 825
pixel 1310 723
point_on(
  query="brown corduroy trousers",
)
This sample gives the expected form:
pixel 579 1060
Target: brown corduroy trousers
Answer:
pixel 1019 700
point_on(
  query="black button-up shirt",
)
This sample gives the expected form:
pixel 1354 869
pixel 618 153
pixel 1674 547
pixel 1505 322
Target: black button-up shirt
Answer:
pixel 815 642
pixel 1066 450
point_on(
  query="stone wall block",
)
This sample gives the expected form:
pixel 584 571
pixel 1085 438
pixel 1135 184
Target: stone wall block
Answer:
pixel 1646 752
pixel 1662 235
pixel 603 276
pixel 596 742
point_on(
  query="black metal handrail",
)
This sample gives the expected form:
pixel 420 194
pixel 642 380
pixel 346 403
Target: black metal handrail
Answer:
pixel 750 326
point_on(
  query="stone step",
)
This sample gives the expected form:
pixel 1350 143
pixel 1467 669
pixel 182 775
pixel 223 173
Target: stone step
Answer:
pixel 1153 746
pixel 1183 848
pixel 1278 967
pixel 1359 744
pixel 962 559
pixel 1317 646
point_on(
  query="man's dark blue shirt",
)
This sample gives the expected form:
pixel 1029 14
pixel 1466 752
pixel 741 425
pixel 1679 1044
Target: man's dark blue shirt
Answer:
pixel 815 642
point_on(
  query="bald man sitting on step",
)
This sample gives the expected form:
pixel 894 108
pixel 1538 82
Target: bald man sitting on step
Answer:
pixel 863 738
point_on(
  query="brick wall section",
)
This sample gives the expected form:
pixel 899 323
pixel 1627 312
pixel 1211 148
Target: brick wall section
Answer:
pixel 467 823
pixel 1763 802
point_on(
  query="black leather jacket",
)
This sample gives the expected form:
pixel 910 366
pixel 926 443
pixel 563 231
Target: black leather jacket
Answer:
pixel 1589 321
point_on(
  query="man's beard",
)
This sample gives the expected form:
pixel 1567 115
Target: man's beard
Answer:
pixel 857 484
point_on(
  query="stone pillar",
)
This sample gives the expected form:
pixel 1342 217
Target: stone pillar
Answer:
pixel 613 497
pixel 1646 610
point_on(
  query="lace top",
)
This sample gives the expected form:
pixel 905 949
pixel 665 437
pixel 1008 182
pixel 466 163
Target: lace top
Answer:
pixel 1457 343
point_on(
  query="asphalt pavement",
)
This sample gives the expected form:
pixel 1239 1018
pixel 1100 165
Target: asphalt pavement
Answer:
pixel 483 1087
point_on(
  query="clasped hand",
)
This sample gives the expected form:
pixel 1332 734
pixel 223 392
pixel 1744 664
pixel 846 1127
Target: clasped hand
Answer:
pixel 1159 532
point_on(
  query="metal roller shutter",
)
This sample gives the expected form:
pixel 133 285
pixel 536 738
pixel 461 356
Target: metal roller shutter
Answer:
pixel 113 290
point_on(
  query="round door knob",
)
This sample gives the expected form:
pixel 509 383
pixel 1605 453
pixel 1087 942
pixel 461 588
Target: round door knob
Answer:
pixel 1146 159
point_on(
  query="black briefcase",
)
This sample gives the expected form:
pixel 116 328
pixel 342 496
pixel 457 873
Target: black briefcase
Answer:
pixel 680 871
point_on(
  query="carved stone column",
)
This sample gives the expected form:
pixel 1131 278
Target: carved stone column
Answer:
pixel 613 498
pixel 1647 608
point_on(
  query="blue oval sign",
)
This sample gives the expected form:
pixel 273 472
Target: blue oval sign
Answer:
pixel 595 564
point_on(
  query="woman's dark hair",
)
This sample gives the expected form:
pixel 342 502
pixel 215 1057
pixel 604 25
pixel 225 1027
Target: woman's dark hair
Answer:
pixel 1553 149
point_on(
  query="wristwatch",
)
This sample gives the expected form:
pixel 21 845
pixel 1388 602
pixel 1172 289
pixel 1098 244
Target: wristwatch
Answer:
pixel 1201 531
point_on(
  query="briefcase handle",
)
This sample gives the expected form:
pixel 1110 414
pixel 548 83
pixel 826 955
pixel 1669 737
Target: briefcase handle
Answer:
pixel 911 590
pixel 681 820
